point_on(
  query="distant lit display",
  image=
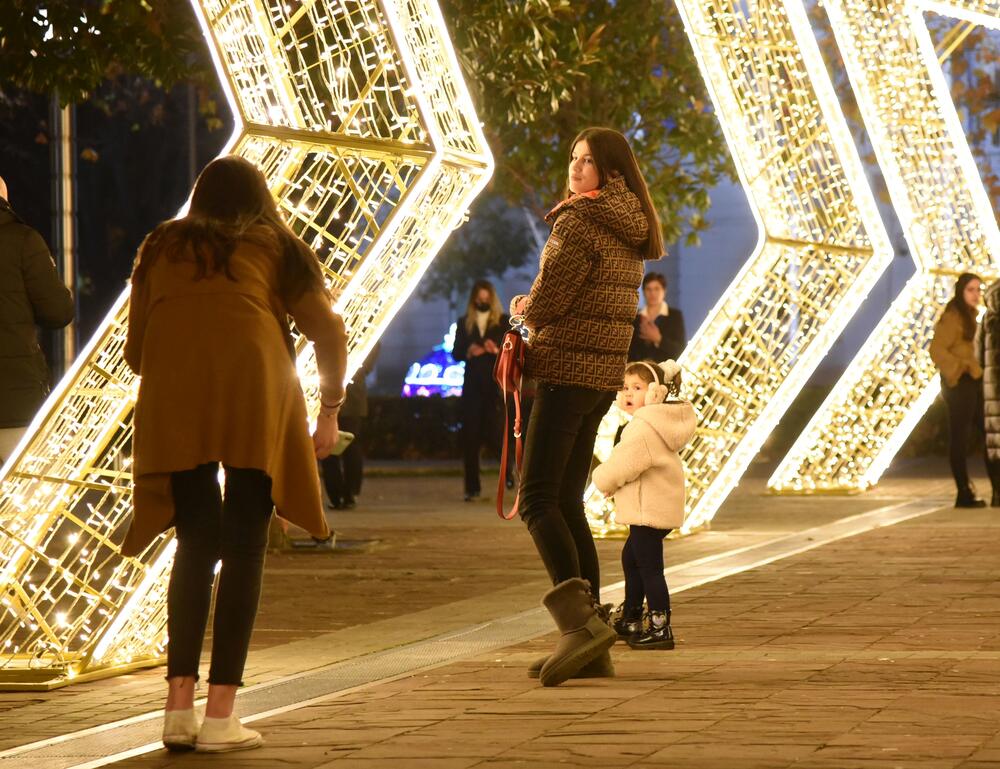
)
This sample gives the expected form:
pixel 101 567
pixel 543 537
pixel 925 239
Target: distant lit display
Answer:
pixel 437 373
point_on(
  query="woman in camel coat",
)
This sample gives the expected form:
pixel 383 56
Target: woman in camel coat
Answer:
pixel 208 334
pixel 953 352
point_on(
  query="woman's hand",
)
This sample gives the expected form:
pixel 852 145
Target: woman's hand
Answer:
pixel 475 350
pixel 491 347
pixel 649 331
pixel 325 436
pixel 518 304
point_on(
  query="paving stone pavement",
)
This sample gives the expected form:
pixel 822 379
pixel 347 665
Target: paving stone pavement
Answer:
pixel 876 651
pixel 881 650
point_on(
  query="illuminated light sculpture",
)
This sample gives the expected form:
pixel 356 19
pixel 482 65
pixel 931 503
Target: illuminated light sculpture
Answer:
pixel 436 373
pixel 357 114
pixel 821 247
pixel 948 222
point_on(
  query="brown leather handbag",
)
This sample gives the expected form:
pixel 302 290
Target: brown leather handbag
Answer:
pixel 508 372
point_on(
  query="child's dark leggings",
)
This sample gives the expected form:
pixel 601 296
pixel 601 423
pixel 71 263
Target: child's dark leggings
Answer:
pixel 642 560
pixel 210 529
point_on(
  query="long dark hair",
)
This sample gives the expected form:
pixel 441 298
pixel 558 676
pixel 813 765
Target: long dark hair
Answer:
pixel 231 203
pixel 613 157
pixel 959 305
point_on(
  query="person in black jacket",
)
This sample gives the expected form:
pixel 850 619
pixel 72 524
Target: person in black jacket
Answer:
pixel 658 330
pixel 31 294
pixel 478 336
pixel 988 353
pixel 343 473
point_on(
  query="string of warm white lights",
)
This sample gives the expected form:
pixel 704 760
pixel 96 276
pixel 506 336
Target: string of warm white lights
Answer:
pixel 948 222
pixel 356 112
pixel 822 244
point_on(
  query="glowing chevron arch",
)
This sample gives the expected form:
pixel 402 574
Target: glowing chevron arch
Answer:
pixel 821 247
pixel 948 222
pixel 357 113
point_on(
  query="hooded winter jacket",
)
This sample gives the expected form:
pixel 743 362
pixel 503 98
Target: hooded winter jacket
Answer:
pixel 584 299
pixel 988 350
pixel 31 294
pixel 644 471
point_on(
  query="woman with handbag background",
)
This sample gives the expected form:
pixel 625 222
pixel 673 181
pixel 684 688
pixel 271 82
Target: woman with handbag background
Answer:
pixel 580 313
pixel 208 334
pixel 478 336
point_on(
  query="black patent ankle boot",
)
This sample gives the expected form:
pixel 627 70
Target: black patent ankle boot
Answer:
pixel 627 621
pixel 656 635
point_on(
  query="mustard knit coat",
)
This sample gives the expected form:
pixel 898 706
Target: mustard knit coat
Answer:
pixel 219 383
pixel 951 352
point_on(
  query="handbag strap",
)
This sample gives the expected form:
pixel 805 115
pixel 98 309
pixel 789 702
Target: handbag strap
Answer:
pixel 518 454
pixel 513 348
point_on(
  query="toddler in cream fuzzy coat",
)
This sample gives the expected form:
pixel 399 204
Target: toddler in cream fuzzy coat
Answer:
pixel 646 476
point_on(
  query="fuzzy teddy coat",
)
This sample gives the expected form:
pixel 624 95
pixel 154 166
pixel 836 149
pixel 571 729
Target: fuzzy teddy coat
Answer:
pixel 644 471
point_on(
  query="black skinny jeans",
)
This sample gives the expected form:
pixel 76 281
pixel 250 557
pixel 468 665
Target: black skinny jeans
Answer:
pixel 642 561
pixel 965 416
pixel 557 456
pixel 210 529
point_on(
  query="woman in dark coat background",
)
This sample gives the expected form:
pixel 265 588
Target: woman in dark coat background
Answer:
pixel 478 336
pixel 658 331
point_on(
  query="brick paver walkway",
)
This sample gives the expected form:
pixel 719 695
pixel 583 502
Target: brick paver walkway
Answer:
pixel 882 650
pixel 876 651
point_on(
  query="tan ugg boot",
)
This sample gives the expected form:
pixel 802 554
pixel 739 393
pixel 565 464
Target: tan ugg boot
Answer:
pixel 602 667
pixel 584 635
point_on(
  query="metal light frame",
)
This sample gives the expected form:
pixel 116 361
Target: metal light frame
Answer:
pixel 357 113
pixel 821 244
pixel 948 222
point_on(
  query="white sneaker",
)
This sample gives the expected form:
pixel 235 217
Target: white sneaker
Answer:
pixel 180 729
pixel 221 735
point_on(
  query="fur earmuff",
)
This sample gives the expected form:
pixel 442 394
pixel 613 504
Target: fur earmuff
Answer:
pixel 655 393
pixel 670 369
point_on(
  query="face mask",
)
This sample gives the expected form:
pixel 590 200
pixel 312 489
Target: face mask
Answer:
pixel 483 306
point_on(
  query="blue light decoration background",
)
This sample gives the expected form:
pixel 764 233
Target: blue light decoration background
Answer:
pixel 436 373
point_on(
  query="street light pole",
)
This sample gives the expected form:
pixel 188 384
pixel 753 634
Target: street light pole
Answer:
pixel 64 234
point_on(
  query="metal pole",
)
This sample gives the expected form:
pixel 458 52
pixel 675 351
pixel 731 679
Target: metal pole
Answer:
pixel 64 215
pixel 192 135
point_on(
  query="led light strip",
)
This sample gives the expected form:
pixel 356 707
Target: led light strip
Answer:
pixel 821 246
pixel 948 222
pixel 357 114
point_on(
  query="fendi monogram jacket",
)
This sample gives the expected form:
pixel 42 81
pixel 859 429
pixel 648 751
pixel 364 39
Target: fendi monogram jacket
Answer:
pixel 584 299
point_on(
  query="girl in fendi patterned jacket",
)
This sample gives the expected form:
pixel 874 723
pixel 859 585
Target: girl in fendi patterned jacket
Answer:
pixel 646 476
pixel 580 313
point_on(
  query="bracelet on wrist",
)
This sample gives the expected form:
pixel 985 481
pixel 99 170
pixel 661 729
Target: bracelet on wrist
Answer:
pixel 332 406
